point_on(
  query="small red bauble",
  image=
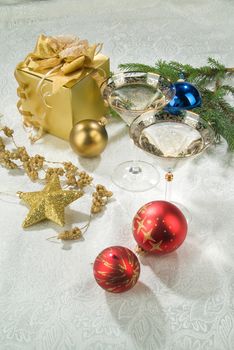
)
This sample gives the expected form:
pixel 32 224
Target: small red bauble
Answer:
pixel 159 227
pixel 116 269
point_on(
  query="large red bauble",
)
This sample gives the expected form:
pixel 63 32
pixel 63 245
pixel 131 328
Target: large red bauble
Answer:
pixel 159 227
pixel 116 269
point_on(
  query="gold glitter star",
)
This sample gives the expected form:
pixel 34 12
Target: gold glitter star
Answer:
pixel 155 245
pixel 48 203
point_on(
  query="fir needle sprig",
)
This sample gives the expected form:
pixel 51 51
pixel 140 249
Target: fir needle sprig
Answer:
pixel 211 80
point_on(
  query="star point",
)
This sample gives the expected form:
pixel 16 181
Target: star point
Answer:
pixel 147 235
pixel 140 225
pixel 156 245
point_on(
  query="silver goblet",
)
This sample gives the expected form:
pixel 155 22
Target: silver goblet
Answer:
pixel 172 140
pixel 131 94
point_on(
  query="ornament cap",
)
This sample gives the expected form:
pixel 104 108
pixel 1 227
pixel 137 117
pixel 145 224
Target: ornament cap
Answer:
pixel 181 77
pixel 140 251
pixel 19 194
pixel 103 121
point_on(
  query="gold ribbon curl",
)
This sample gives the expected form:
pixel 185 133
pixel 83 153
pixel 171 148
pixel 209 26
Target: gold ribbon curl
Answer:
pixel 62 58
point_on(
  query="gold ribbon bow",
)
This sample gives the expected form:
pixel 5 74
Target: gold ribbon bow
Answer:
pixel 62 58
pixel 68 54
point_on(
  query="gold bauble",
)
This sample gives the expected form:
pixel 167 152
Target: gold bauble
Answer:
pixel 88 138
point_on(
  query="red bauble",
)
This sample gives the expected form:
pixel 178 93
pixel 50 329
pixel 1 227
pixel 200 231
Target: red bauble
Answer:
pixel 116 269
pixel 159 227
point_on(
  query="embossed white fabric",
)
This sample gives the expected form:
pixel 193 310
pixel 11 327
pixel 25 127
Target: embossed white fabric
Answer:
pixel 49 299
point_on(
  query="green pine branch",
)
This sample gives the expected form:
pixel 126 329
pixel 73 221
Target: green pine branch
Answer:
pixel 211 80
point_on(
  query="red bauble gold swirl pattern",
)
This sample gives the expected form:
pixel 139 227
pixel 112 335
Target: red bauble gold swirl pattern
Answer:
pixel 159 227
pixel 116 269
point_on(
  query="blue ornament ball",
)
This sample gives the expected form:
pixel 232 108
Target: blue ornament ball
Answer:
pixel 186 97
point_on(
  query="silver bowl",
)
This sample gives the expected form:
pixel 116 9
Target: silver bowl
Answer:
pixel 132 93
pixel 171 138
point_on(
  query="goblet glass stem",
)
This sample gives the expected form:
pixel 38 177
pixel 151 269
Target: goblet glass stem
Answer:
pixel 168 187
pixel 135 169
pixel 168 190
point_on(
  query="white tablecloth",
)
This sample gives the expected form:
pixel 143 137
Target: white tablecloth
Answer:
pixel 49 299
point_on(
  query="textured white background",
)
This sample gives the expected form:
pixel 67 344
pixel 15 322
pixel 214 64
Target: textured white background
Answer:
pixel 48 297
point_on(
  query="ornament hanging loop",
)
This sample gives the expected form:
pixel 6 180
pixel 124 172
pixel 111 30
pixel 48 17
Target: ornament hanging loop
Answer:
pixel 181 76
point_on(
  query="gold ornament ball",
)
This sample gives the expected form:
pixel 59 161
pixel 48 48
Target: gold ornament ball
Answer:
pixel 88 138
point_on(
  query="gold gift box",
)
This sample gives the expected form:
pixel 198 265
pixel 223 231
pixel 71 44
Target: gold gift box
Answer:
pixel 75 101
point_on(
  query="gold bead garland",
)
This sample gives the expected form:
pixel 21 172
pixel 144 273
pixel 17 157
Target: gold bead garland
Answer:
pixel 34 166
pixel 100 198
pixel 71 235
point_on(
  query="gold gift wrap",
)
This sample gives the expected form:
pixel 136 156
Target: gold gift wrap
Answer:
pixel 59 85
